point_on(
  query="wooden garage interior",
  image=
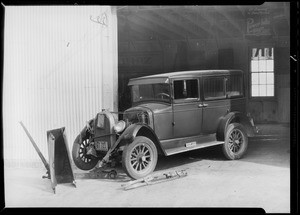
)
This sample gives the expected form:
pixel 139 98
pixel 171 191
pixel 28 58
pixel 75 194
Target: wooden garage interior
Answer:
pixel 158 39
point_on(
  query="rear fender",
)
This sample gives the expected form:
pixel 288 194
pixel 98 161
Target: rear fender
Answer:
pixel 234 117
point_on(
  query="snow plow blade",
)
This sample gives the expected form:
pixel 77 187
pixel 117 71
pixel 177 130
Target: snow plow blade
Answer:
pixel 59 158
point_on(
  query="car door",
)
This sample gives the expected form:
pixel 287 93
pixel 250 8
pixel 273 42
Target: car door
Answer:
pixel 215 104
pixel 187 107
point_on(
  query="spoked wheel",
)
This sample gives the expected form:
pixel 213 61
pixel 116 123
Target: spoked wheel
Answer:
pixel 80 158
pixel 139 158
pixel 236 142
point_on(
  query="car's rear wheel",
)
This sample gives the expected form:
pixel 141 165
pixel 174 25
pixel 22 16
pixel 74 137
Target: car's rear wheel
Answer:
pixel 139 158
pixel 79 153
pixel 236 141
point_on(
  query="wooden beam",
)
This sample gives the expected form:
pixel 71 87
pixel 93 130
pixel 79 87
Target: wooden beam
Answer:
pixel 179 27
pixel 206 15
pixel 286 9
pixel 148 26
pixel 156 8
pixel 129 32
pixel 132 35
pixel 230 19
pixel 242 10
pixel 155 21
pixel 195 24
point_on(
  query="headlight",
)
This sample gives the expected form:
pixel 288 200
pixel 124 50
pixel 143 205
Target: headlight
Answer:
pixel 120 126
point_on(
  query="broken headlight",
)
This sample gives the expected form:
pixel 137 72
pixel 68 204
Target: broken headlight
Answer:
pixel 120 126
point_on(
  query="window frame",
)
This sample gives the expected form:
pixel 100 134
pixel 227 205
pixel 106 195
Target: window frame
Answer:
pixel 227 77
pixel 224 87
pixel 261 98
pixel 150 100
pixel 177 101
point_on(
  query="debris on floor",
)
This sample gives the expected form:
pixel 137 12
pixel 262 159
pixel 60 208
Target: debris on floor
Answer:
pixel 98 173
pixel 150 180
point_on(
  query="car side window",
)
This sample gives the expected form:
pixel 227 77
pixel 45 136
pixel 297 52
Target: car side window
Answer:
pixel 214 88
pixel 186 89
pixel 234 86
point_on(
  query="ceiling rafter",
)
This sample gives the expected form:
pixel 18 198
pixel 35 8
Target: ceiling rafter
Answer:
pixel 132 31
pixel 147 25
pixel 212 21
pixel 231 20
pixel 157 22
pixel 196 24
pixel 242 10
pixel 286 9
pixel 180 28
pixel 181 22
pixel 134 34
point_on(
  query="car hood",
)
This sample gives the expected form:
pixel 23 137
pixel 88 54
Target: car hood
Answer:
pixel 153 107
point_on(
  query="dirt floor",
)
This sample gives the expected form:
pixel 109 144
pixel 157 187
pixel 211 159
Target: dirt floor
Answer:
pixel 261 179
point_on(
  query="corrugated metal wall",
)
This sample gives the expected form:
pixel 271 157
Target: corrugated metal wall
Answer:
pixel 60 69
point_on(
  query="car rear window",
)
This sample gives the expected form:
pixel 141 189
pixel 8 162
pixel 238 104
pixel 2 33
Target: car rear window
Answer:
pixel 234 87
pixel 214 88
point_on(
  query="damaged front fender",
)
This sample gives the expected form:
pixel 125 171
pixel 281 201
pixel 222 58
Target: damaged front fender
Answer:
pixel 127 136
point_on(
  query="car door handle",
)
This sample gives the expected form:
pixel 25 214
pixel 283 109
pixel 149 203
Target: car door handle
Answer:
pixel 202 105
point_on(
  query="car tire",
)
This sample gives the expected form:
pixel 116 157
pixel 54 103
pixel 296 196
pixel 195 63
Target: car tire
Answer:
pixel 236 142
pixel 81 160
pixel 139 158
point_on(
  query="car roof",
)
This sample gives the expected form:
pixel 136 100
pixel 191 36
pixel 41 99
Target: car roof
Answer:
pixel 163 78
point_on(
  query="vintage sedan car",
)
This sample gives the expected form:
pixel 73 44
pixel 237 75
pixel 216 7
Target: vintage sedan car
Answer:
pixel 171 113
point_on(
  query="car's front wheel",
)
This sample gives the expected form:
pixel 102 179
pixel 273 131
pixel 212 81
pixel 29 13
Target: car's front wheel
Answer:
pixel 236 141
pixel 79 153
pixel 139 158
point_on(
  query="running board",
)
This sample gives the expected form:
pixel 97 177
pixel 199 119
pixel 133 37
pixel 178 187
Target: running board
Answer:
pixel 190 147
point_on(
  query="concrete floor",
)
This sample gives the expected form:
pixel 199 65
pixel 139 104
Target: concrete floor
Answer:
pixel 261 179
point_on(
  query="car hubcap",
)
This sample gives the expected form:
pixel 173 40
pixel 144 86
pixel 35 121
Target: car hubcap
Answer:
pixel 82 151
pixel 141 157
pixel 235 140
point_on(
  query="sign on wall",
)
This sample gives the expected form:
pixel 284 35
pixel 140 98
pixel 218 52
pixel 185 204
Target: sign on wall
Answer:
pixel 258 22
pixel 262 54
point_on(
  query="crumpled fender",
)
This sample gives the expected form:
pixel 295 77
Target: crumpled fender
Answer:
pixel 140 129
pixel 128 136
pixel 83 131
pixel 131 132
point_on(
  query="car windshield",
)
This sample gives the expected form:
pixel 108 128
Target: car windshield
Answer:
pixel 151 92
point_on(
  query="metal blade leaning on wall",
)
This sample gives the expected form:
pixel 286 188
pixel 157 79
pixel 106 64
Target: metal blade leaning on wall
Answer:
pixel 59 168
pixel 38 151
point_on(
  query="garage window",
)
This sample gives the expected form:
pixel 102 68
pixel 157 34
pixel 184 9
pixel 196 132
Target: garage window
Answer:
pixel 262 72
